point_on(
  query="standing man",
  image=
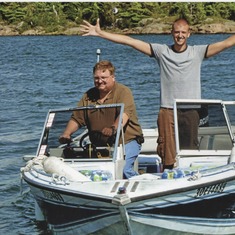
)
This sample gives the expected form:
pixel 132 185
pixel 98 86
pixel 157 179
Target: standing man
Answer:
pixel 108 91
pixel 180 68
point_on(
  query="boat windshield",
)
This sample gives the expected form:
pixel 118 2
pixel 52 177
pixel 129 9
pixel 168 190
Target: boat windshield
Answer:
pixel 87 142
pixel 204 124
pixel 229 109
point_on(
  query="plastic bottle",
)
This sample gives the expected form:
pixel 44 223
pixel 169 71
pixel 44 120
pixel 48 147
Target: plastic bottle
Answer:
pixel 175 174
pixel 180 173
pixel 97 176
pixel 109 175
pixel 170 174
pixel 165 174
pixel 104 176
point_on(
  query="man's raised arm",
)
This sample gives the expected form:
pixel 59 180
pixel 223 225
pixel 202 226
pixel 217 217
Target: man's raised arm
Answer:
pixel 95 30
pixel 218 47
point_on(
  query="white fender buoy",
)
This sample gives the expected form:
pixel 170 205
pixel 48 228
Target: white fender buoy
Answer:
pixel 54 165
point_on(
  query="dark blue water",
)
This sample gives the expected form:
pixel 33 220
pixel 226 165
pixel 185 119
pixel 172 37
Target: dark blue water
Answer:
pixel 43 72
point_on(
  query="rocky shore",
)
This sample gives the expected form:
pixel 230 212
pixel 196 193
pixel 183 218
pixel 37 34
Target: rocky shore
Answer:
pixel 154 26
pixel 146 26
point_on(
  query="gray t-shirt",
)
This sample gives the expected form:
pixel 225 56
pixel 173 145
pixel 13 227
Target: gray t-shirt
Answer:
pixel 179 72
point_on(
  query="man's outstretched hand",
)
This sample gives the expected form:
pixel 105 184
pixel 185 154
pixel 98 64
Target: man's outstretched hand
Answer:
pixel 90 30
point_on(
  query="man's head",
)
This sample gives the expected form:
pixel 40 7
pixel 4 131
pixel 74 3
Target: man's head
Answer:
pixel 180 32
pixel 104 78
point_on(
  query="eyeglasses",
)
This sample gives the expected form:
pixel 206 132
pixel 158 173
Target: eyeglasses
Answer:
pixel 101 78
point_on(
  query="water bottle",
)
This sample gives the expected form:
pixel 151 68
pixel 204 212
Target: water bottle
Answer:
pixel 104 176
pixel 165 174
pixel 109 175
pixel 171 174
pixel 180 173
pixel 97 176
pixel 87 173
pixel 175 174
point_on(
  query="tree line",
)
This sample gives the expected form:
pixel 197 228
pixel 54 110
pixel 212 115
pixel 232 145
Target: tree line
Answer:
pixel 55 15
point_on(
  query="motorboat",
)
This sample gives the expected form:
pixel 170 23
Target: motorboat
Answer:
pixel 79 187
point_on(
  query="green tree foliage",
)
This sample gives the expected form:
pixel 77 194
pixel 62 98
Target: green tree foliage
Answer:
pixel 12 12
pixel 55 15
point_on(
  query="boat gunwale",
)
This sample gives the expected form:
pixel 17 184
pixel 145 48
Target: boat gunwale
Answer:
pixel 132 198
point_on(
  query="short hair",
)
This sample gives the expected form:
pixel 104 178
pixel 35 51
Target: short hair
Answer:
pixel 104 65
pixel 180 19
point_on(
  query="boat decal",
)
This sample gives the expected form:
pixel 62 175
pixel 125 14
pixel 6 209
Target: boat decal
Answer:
pixel 115 186
pixel 215 188
pixel 52 195
pixel 134 187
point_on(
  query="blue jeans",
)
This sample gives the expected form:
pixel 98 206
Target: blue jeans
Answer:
pixel 132 150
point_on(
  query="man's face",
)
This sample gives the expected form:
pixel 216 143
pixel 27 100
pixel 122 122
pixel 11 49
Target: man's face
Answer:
pixel 103 80
pixel 180 33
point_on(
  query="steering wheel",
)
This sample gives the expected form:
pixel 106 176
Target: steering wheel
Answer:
pixel 90 150
pixel 82 142
pixel 97 139
pixel 71 149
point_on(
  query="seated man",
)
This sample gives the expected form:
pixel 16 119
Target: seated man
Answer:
pixel 108 91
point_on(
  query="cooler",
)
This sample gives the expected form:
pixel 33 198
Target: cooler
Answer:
pixel 149 163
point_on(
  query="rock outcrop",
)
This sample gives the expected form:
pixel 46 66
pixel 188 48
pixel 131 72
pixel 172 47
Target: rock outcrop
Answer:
pixel 146 26
pixel 154 26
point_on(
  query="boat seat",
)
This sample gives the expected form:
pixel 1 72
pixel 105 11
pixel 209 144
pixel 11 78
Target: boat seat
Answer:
pixel 150 141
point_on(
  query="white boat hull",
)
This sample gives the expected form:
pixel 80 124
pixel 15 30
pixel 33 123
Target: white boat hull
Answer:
pixel 136 210
pixel 86 193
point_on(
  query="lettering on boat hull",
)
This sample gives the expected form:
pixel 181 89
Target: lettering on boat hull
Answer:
pixel 52 196
pixel 215 188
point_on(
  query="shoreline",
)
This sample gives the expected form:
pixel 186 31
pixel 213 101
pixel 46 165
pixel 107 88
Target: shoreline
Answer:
pixel 145 27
